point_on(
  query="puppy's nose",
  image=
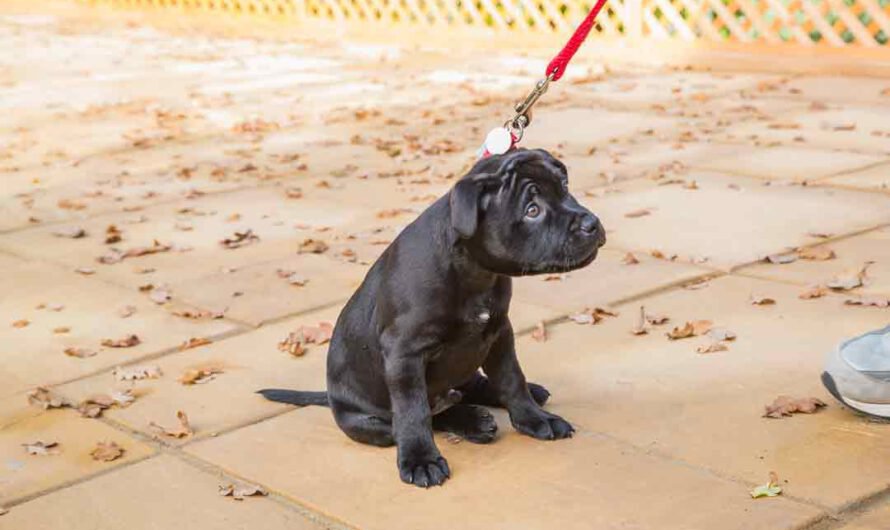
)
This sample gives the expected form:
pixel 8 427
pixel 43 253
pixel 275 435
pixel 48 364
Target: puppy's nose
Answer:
pixel 588 224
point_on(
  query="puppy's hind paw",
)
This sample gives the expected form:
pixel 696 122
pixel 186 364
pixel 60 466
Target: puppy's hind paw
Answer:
pixel 545 427
pixel 424 472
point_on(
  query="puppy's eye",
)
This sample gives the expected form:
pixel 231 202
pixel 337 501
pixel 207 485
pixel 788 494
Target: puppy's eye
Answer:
pixel 532 211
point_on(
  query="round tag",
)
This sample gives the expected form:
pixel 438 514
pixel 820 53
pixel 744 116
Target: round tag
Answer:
pixel 498 141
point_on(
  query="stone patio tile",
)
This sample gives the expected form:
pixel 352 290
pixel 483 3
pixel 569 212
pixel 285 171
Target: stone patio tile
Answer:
pixel 33 355
pixel 852 253
pixel 606 281
pixel 588 481
pixel 250 362
pixel 786 162
pixel 729 220
pixel 163 492
pixel 836 89
pixel 23 475
pixel 873 178
pixel 705 409
pixel 877 518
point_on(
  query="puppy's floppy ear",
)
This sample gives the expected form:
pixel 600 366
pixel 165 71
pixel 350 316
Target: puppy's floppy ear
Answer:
pixel 464 200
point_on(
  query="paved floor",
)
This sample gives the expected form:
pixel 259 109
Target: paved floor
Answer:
pixel 182 140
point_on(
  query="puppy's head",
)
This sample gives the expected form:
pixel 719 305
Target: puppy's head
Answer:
pixel 515 215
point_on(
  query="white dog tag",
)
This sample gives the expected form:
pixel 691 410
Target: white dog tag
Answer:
pixel 498 141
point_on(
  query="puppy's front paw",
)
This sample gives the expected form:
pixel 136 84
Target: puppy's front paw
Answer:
pixel 543 426
pixel 423 472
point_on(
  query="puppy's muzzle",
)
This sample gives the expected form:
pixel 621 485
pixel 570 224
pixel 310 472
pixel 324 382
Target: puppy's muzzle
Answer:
pixel 588 225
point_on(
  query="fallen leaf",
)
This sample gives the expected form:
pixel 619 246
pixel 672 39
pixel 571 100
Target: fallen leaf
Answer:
pixel 320 334
pixel 293 192
pixel 389 214
pixel 159 296
pixel 712 347
pixel 638 213
pixel 781 259
pixel 761 300
pixel 112 235
pixel 312 246
pixel 592 316
pixel 240 239
pixel 656 319
pixel 194 342
pixel 72 232
pixel 630 259
pixel 137 372
pixel 86 271
pixel 817 291
pixel 182 431
pixel 107 451
pixel 116 256
pixel 80 353
pixel 127 342
pixel 43 397
pixel 816 254
pixel 123 398
pixel 849 279
pixel 238 492
pixel 540 332
pixel 690 329
pixel 195 314
pixel 126 311
pixel 61 330
pixel 21 323
pixel 786 406
pixel 866 301
pixel 200 375
pixel 292 278
pixel 770 489
pixel 92 406
pixel 292 344
pixel 721 334
pixel 41 448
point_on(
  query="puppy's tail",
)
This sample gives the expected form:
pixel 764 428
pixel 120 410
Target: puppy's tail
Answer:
pixel 296 397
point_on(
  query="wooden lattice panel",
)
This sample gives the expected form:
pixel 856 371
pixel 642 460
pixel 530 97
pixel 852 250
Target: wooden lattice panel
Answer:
pixel 863 23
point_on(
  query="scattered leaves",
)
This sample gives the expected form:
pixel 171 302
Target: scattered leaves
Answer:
pixel 107 451
pixel 630 259
pixel 781 259
pixel 817 291
pixel 41 448
pixel 761 300
pixel 113 235
pixel 137 372
pixel 312 246
pixel 43 397
pixel 194 342
pixel 80 353
pixel 816 254
pixel 690 329
pixel 92 406
pixel 200 374
pixel 712 347
pixel 240 239
pixel 786 406
pixel 182 431
pixel 849 279
pixel 866 301
pixel 292 278
pixel 721 334
pixel 72 232
pixel 540 332
pixel 292 344
pixel 127 342
pixel 116 256
pixel 21 323
pixel 592 316
pixel 770 489
pixel 238 492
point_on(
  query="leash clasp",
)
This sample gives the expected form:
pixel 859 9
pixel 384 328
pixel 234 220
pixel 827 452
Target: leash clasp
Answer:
pixel 523 116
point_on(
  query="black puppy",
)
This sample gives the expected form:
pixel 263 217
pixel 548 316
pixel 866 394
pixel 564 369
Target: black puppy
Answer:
pixel 407 348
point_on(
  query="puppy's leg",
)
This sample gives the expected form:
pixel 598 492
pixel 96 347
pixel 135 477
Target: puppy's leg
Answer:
pixel 479 391
pixel 364 428
pixel 419 460
pixel 471 422
pixel 510 386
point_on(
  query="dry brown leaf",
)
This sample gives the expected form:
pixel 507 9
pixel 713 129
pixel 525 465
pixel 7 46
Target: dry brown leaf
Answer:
pixel 638 213
pixel 116 256
pixel 866 301
pixel 200 374
pixel 137 372
pixel 312 246
pixel 389 214
pixel 127 342
pixel 240 239
pixel 292 344
pixel 319 334
pixel 21 323
pixel 43 397
pixel 72 232
pixel 816 253
pixel 712 347
pixel 781 259
pixel 123 398
pixel 194 342
pixel 195 314
pixel 41 448
pixel 80 353
pixel 817 291
pixel 107 451
pixel 238 492
pixel 92 406
pixel 540 332
pixel 640 328
pixel 182 431
pixel 61 330
pixel 849 279
pixel 721 334
pixel 630 259
pixel 112 235
pixel 293 192
pixel 690 329
pixel 761 300
pixel 786 406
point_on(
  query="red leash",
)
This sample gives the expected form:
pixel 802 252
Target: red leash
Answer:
pixel 502 139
